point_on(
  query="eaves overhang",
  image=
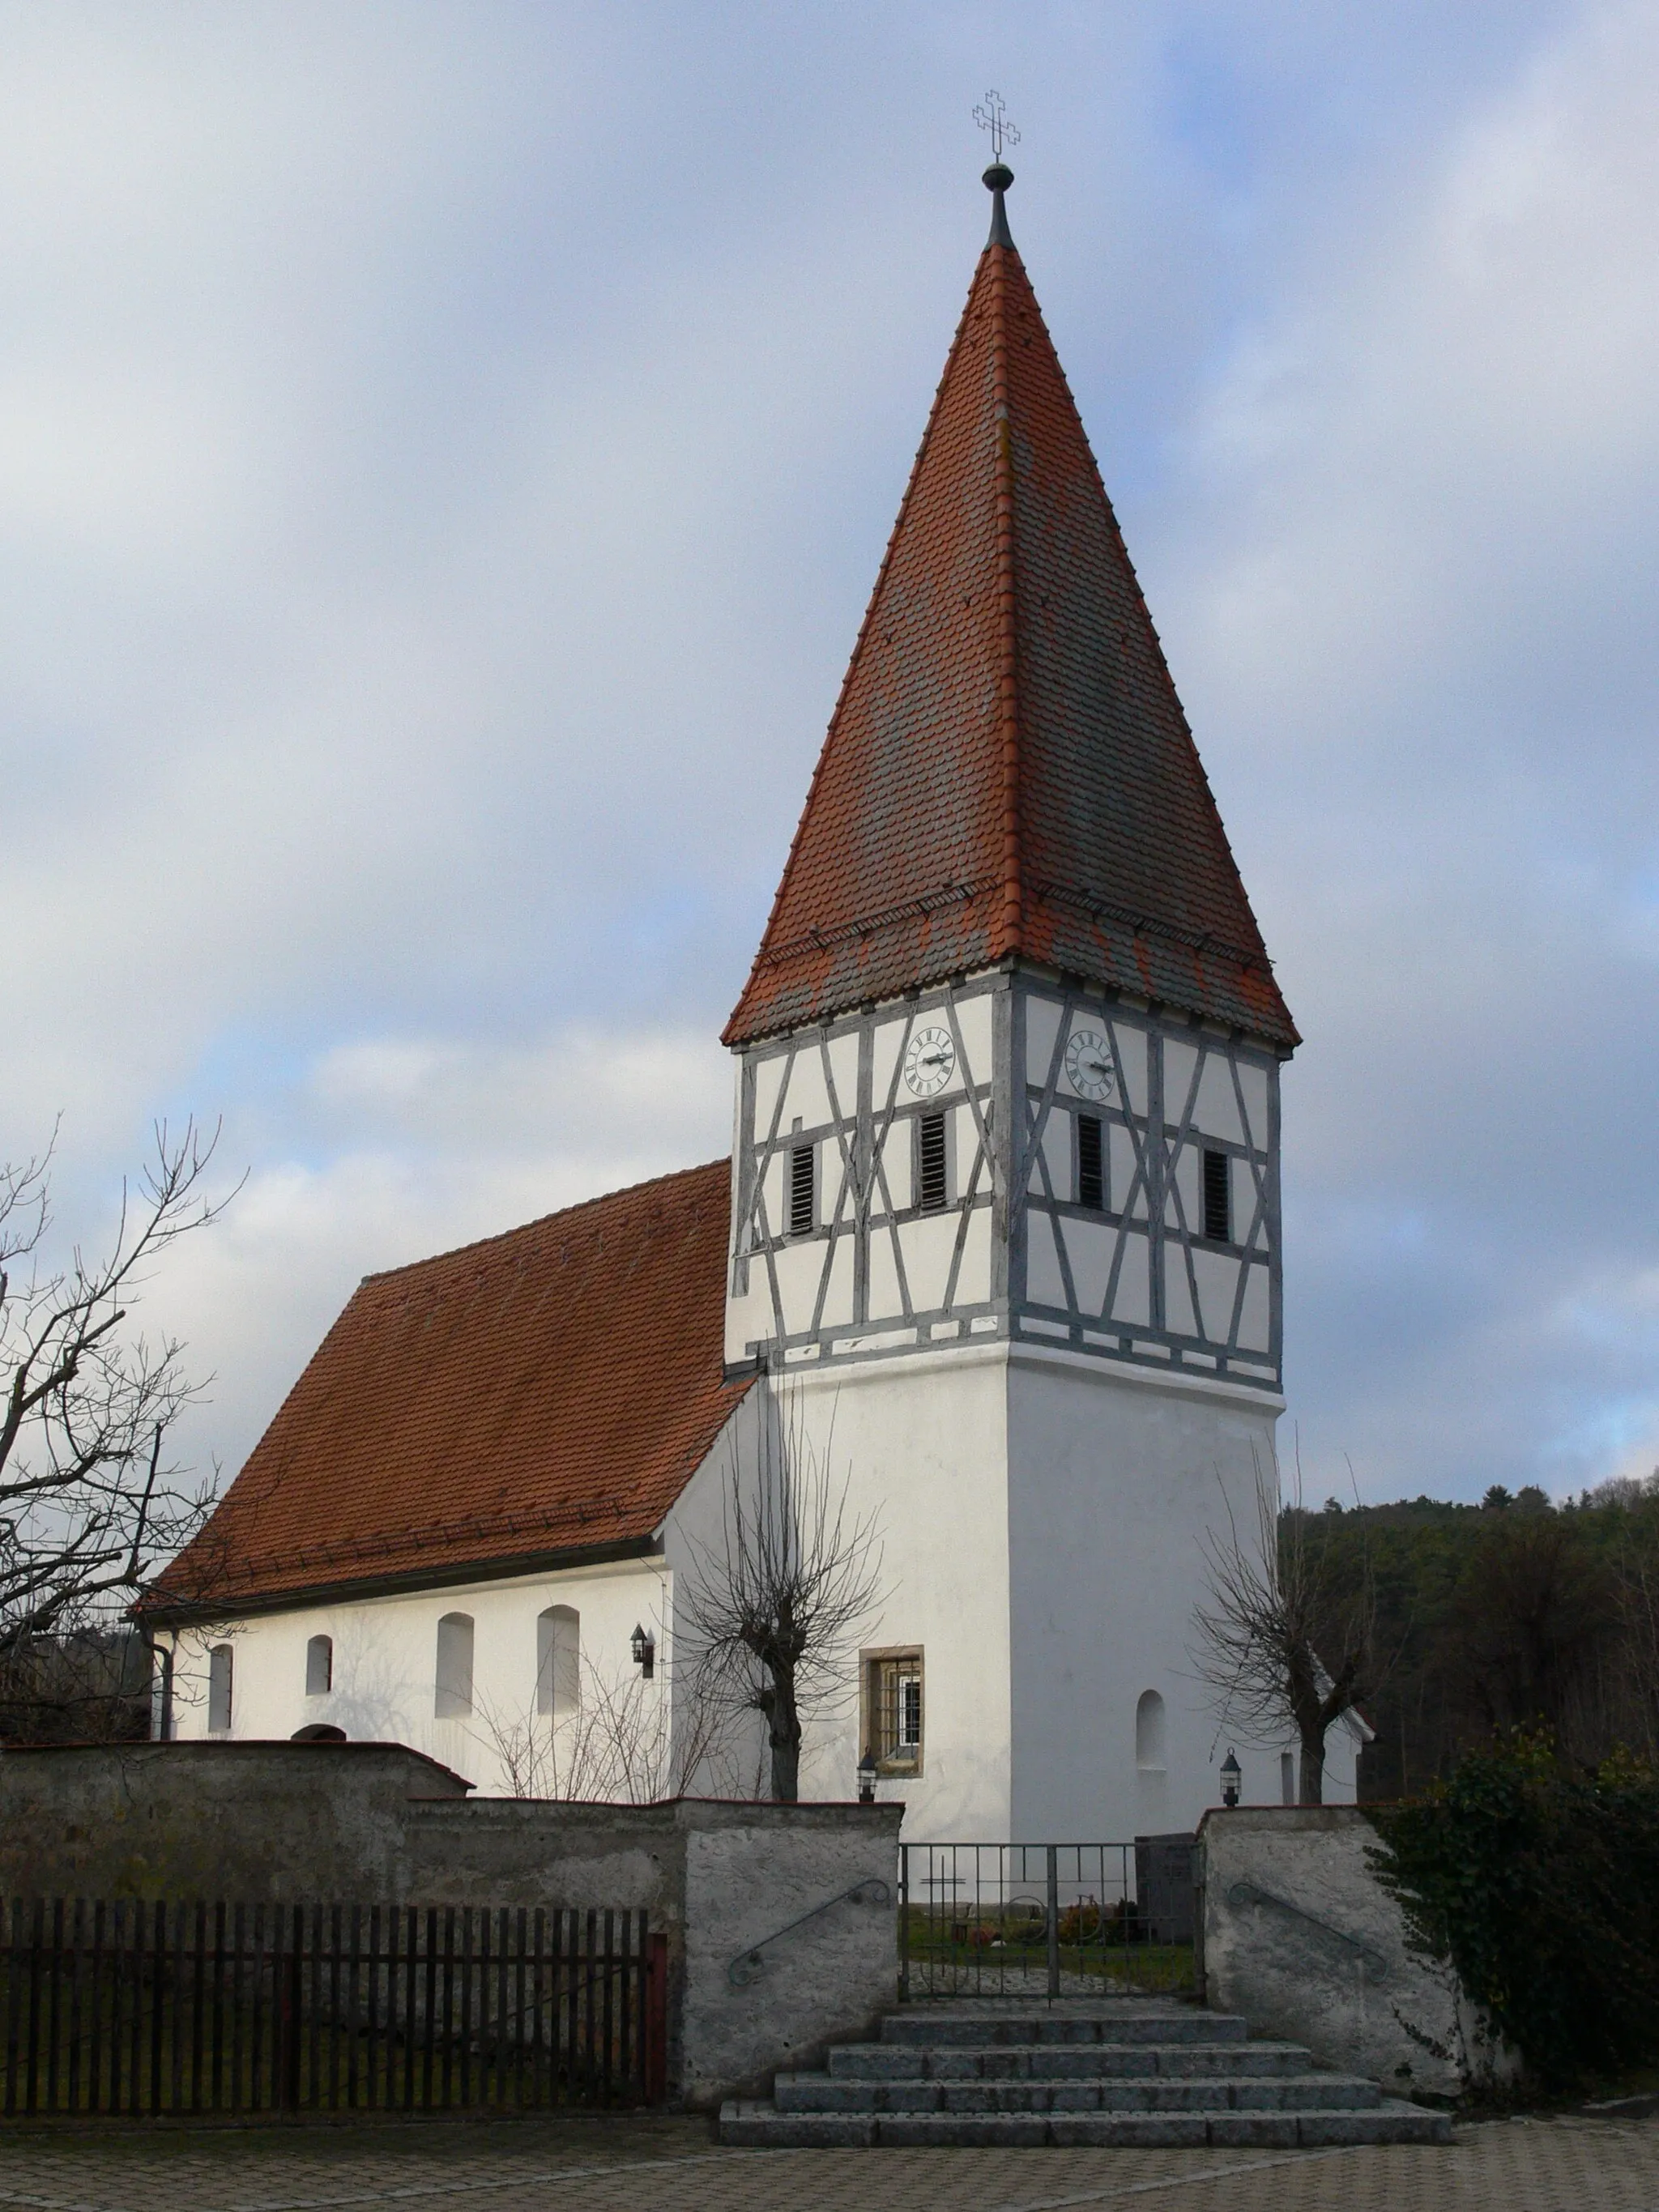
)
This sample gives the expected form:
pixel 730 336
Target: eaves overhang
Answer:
pixel 163 1612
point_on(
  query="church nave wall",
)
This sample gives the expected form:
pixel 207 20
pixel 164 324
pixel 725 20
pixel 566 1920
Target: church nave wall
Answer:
pixel 384 1671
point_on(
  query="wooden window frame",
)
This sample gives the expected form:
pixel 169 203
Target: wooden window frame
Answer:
pixel 877 1668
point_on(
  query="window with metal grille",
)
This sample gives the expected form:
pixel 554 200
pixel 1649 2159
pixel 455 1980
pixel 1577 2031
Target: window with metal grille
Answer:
pixel 893 1710
pixel 1217 1199
pixel 319 1666
pixel 930 1162
pixel 803 1190
pixel 1090 1162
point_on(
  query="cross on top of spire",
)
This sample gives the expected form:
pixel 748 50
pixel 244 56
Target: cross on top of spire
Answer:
pixel 992 117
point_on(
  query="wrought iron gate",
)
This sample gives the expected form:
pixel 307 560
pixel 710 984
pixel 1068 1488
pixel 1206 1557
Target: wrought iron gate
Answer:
pixel 1045 1920
pixel 150 2008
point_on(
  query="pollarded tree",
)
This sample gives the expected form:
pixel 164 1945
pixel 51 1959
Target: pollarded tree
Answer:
pixel 1286 1643
pixel 769 1611
pixel 89 1502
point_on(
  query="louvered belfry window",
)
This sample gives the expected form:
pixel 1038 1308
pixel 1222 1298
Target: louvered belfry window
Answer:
pixel 803 1190
pixel 1217 1199
pixel 931 1186
pixel 1090 1162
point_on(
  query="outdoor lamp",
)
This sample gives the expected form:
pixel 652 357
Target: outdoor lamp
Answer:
pixel 1230 1778
pixel 644 1648
pixel 868 1778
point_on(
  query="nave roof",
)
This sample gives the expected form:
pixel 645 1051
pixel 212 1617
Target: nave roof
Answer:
pixel 547 1391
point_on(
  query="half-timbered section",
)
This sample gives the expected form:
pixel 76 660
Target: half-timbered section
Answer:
pixel 1002 1157
pixel 1149 1187
pixel 887 1119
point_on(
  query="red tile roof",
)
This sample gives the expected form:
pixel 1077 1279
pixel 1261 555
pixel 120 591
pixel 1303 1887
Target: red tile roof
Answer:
pixel 549 1390
pixel 1008 770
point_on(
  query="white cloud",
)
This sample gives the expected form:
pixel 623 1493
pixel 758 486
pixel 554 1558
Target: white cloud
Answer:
pixel 1414 596
pixel 423 1145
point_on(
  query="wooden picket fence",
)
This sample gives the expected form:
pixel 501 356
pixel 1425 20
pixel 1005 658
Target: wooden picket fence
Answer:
pixel 151 2008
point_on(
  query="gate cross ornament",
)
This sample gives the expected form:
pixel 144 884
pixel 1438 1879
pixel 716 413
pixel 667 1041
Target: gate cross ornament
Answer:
pixel 992 117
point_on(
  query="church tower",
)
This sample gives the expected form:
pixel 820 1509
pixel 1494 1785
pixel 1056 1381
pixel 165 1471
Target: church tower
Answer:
pixel 1005 1163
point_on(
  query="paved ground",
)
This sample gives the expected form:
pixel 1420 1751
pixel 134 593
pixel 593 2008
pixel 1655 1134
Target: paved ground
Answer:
pixel 669 2164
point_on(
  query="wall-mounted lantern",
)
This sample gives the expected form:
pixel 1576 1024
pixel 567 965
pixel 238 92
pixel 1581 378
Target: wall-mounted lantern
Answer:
pixel 868 1778
pixel 644 1648
pixel 1231 1779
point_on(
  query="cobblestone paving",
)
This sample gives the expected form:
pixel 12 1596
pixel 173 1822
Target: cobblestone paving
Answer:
pixel 1571 2165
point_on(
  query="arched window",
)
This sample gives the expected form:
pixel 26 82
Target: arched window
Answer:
pixel 319 1666
pixel 220 1661
pixel 454 1689
pixel 1149 1755
pixel 558 1660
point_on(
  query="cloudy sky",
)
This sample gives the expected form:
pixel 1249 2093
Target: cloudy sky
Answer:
pixel 444 452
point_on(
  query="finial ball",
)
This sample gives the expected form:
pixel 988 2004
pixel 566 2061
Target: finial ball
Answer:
pixel 998 177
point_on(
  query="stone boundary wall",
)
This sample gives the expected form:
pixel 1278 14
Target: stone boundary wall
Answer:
pixel 380 1823
pixel 1296 1933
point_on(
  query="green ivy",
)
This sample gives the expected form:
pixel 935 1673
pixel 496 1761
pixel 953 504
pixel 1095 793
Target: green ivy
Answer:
pixel 1541 1888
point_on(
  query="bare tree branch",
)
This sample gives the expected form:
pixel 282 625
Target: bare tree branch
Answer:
pixel 89 1505
pixel 770 1613
pixel 625 1742
pixel 1270 1601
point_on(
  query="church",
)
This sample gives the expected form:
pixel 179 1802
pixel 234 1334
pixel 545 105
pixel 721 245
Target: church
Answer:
pixel 997 1243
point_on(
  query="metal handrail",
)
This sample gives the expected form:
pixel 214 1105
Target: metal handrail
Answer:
pixel 1249 1893
pixel 749 1964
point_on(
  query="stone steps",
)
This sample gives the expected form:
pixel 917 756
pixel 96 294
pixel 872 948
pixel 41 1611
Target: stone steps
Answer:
pixel 825 2092
pixel 1111 2075
pixel 761 2124
pixel 983 2030
pixel 1048 2062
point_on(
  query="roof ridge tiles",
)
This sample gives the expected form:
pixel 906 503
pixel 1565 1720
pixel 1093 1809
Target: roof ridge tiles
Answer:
pixel 1011 921
pixel 603 1198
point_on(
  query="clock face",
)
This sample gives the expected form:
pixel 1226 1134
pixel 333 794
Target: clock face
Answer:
pixel 1089 1065
pixel 930 1062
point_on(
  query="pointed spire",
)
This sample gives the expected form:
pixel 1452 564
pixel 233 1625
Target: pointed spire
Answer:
pixel 1008 773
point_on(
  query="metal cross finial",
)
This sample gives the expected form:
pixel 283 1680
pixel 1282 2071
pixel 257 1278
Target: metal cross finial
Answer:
pixel 992 117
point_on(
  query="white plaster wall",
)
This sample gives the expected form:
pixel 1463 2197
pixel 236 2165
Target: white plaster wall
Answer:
pixel 385 1662
pixel 920 1441
pixel 1040 1520
pixel 1112 1481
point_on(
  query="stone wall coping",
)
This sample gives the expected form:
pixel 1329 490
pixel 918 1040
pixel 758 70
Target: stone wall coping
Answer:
pixel 1306 1819
pixel 200 1752
pixel 672 1812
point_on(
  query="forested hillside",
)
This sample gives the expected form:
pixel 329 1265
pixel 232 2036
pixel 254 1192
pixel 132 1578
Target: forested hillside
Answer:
pixel 1511 1612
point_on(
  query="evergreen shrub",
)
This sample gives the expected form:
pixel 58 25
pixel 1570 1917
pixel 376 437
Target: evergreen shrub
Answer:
pixel 1540 1886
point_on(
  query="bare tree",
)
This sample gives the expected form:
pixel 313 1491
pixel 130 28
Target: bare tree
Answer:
pixel 89 1684
pixel 622 1744
pixel 769 1613
pixel 89 1502
pixel 1272 1602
